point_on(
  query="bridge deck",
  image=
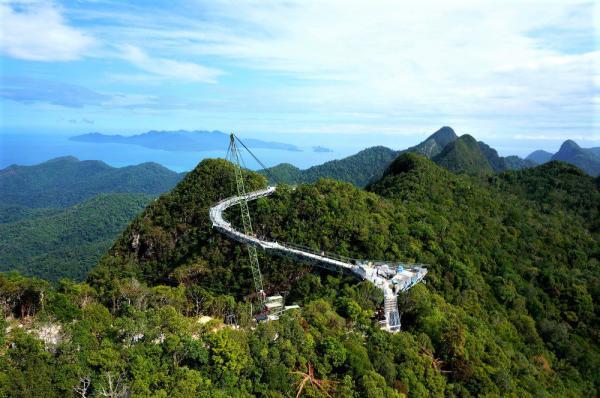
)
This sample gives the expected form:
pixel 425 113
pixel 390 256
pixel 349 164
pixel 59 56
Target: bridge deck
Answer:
pixel 390 278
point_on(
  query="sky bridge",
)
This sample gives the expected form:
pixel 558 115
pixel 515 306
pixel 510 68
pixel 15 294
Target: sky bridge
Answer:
pixel 392 278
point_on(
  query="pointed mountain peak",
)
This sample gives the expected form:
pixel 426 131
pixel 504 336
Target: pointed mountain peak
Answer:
pixel 569 145
pixel 444 136
pixel 435 143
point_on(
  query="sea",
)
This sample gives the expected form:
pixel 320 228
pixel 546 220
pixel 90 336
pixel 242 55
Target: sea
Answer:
pixel 33 148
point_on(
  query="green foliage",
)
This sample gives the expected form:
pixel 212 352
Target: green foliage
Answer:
pixel 359 169
pixel 13 213
pixel 57 218
pixel 464 155
pixel 66 181
pixel 509 308
pixel 67 243
pixel 444 147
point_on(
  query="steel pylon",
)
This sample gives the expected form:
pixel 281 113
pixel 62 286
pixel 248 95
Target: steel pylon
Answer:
pixel 246 221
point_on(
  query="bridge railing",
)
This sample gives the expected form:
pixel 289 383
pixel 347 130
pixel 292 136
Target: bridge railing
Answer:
pixel 231 201
pixel 320 253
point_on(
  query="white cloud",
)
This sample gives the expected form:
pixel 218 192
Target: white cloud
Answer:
pixel 121 100
pixel 486 66
pixel 38 32
pixel 168 68
pixel 459 60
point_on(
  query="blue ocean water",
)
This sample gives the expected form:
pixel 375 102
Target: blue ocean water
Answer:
pixel 29 149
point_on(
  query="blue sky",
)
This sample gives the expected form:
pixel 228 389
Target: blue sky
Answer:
pixel 515 74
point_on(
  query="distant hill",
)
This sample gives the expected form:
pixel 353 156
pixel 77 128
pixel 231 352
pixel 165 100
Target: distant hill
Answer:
pixel 463 155
pixel 594 151
pixel 499 163
pixel 181 140
pixel 572 153
pixel 587 159
pixel 445 136
pixel 358 169
pixel 368 165
pixel 539 156
pixel 54 244
pixel 65 181
pixel 435 143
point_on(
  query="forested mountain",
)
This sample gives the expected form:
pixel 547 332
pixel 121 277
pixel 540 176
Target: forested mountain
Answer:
pixel 57 218
pixel 359 169
pixel 463 155
pixel 435 143
pixel 368 165
pixel 587 159
pixel 572 153
pixel 556 186
pixel 66 181
pixel 509 308
pixel 181 140
pixel 58 243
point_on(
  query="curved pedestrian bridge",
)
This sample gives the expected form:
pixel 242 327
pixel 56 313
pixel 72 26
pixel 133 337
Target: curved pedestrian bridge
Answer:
pixel 391 278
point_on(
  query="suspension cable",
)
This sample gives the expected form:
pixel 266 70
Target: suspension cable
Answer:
pixel 265 168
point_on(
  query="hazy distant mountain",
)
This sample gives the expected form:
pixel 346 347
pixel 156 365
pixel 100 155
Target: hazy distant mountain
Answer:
pixel 572 153
pixel 65 181
pixel 181 140
pixel 594 151
pixel 539 157
pixel 321 149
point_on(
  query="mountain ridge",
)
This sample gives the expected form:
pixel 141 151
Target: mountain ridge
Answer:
pixel 65 181
pixel 373 162
pixel 571 152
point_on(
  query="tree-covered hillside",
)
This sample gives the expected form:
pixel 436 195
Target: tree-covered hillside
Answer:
pixel 66 181
pixel 66 243
pixel 359 169
pixel 464 155
pixel 509 308
pixel 57 218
